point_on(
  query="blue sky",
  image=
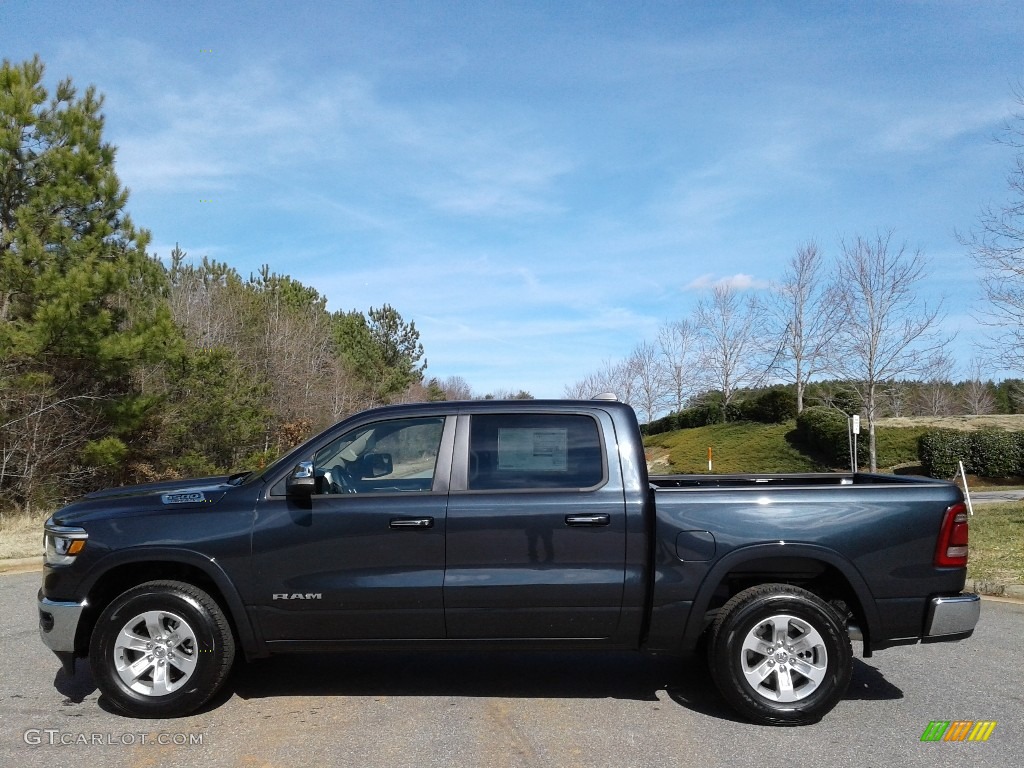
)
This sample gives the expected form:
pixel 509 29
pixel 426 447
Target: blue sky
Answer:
pixel 540 185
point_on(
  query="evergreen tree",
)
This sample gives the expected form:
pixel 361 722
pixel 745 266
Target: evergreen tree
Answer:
pixel 381 349
pixel 80 300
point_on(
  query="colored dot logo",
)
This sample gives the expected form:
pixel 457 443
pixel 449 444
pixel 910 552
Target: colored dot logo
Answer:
pixel 958 730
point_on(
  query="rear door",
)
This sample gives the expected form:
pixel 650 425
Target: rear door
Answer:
pixel 535 528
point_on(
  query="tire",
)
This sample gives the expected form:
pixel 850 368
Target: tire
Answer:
pixel 780 655
pixel 161 649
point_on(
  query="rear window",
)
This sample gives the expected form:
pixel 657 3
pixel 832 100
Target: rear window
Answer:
pixel 534 451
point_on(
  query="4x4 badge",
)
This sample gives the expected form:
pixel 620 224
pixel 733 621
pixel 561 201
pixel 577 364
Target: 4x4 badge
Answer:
pixel 188 497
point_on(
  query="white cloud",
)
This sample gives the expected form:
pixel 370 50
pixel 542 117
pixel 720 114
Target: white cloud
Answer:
pixel 931 126
pixel 739 282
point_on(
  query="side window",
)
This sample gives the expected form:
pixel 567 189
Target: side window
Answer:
pixel 384 457
pixel 534 451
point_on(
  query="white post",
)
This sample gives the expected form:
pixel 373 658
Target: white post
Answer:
pixel 967 492
pixel 854 431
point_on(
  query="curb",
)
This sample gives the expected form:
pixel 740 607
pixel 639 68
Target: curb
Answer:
pixel 1015 591
pixel 22 565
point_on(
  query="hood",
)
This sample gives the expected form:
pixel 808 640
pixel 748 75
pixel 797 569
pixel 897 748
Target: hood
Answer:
pixel 149 497
pixel 166 487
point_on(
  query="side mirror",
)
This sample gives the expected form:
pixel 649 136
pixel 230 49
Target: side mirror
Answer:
pixel 301 482
pixel 376 465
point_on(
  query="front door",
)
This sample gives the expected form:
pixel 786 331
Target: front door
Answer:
pixel 364 557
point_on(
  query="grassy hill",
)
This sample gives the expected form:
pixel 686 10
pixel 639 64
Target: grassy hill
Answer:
pixel 751 447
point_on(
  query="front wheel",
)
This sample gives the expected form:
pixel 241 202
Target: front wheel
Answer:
pixel 161 649
pixel 780 655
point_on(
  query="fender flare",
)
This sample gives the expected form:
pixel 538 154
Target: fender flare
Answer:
pixel 695 622
pixel 248 636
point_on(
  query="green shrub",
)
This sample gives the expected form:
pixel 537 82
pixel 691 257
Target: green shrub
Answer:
pixel 994 453
pixel 987 453
pixel 940 449
pixel 824 432
pixel 772 406
pixel 658 426
pixel 107 452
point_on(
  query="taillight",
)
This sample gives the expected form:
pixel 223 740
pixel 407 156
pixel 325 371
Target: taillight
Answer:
pixel 951 551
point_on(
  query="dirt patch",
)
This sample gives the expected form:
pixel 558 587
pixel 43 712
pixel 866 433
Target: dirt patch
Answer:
pixel 658 461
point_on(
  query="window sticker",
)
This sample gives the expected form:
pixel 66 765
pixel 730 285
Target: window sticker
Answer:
pixel 533 450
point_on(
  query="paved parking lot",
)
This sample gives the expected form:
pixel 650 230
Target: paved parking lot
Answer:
pixel 482 710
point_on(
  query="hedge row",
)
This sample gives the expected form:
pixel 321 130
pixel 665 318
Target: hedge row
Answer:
pixel 986 453
pixel 771 406
pixel 823 432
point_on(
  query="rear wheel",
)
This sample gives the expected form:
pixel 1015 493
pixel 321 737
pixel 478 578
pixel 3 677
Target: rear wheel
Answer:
pixel 161 649
pixel 780 655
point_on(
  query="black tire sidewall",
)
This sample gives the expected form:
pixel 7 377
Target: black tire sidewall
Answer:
pixel 727 661
pixel 189 607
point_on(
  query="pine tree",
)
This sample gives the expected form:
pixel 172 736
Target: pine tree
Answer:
pixel 81 302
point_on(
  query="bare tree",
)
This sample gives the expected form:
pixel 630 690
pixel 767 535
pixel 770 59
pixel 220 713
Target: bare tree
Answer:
pixel 935 395
pixel 618 378
pixel 997 247
pixel 731 330
pixel 895 397
pixel 888 331
pixel 456 388
pixel 803 312
pixel 578 390
pixel 976 392
pixel 644 365
pixel 678 345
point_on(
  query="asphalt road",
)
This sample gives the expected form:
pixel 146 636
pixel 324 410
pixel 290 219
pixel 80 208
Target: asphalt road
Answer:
pixel 996 497
pixel 480 710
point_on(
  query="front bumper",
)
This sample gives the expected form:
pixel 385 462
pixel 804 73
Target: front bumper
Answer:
pixel 952 618
pixel 58 625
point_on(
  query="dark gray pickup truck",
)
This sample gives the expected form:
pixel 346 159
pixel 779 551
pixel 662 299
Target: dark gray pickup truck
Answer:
pixel 512 525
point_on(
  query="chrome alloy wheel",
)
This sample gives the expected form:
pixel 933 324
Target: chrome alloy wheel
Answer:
pixel 155 653
pixel 783 658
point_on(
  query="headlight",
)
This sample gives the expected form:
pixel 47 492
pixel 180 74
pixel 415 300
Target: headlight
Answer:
pixel 61 544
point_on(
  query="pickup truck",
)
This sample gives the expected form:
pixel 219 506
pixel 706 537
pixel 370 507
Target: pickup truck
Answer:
pixel 502 525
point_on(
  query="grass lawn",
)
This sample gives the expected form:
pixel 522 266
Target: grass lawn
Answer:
pixel 21 535
pixel 745 446
pixel 997 543
pixel 740 446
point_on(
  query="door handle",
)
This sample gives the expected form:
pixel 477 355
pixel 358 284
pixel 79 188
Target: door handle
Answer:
pixel 412 522
pixel 588 519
